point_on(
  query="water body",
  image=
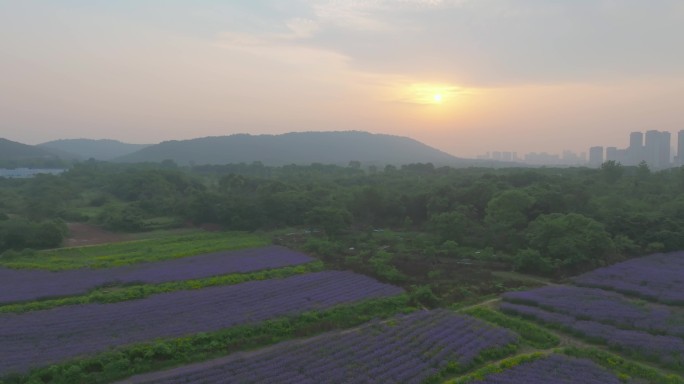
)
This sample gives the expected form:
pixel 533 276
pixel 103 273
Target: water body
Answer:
pixel 28 172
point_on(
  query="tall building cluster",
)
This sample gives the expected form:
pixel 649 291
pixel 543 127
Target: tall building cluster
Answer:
pixel 652 148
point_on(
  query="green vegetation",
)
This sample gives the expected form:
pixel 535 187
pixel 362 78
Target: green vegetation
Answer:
pixel 124 362
pixel 550 222
pixel 113 294
pixel 486 356
pixel 625 369
pixel 166 247
pixel 448 236
pixel 497 367
pixel 641 355
pixel 19 234
pixel 530 333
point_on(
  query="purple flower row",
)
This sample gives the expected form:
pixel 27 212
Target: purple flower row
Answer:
pixel 24 285
pixel 658 277
pixel 406 349
pixel 556 369
pixel 41 338
pixel 668 350
pixel 603 306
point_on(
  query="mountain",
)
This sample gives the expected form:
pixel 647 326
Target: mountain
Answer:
pixel 13 154
pixel 96 149
pixel 11 150
pixel 294 148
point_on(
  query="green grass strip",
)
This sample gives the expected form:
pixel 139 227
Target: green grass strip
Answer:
pixel 114 294
pixel 153 356
pixel 501 366
pixel 624 368
pixel 165 247
pixel 530 333
pixel 487 355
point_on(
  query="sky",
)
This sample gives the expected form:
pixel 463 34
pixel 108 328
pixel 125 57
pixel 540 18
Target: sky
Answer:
pixel 464 76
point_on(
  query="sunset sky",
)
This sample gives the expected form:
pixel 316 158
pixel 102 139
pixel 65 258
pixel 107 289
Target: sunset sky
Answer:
pixel 465 76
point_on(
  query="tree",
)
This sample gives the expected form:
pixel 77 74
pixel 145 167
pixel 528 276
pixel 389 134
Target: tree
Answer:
pixel 571 241
pixel 332 220
pixel 506 217
pixel 612 171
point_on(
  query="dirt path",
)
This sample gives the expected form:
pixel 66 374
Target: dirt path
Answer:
pixel 523 277
pixel 485 303
pixel 86 234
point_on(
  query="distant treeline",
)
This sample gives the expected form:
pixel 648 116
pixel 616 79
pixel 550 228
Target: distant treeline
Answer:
pixel 547 221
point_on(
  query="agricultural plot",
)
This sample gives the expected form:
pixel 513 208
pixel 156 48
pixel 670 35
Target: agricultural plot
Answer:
pixel 405 349
pixel 605 307
pixel 165 246
pixel 640 329
pixel 18 285
pixel 667 350
pixel 657 277
pixel 43 337
pixel 556 369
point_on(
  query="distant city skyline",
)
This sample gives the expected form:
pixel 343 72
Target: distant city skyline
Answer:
pixel 653 147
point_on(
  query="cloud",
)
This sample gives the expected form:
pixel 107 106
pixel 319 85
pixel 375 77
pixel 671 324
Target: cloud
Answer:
pixel 505 42
pixel 302 28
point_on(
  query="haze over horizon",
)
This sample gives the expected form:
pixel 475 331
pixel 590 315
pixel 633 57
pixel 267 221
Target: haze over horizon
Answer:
pixel 463 76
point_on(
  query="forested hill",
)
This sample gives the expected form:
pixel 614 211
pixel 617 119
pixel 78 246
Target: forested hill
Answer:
pixel 11 150
pixel 295 148
pixel 96 149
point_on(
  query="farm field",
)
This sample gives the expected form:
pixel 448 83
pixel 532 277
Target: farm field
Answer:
pixel 554 368
pixel 635 323
pixel 18 285
pixel 404 349
pixel 656 277
pixel 163 247
pixel 604 307
pixel 271 314
pixel 39 337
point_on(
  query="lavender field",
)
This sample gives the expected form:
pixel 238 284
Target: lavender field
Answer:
pixel 18 285
pixel 605 307
pixel 658 277
pixel 43 337
pixel 557 369
pixel 668 350
pixel 405 349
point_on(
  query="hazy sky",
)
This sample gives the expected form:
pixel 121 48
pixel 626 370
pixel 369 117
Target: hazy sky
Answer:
pixel 520 75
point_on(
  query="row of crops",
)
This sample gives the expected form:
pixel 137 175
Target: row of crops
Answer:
pixel 656 277
pixel 404 349
pixel 635 323
pixel 31 284
pixel 555 368
pixel 38 338
pixel 317 326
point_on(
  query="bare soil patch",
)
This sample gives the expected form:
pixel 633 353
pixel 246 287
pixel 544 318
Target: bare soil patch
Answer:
pixel 86 234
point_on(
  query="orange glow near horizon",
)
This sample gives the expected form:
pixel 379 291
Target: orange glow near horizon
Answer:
pixel 427 93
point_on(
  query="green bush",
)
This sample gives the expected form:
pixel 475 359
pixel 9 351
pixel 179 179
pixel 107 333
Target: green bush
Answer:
pixel 530 333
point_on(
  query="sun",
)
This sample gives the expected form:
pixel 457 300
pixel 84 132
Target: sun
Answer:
pixel 437 97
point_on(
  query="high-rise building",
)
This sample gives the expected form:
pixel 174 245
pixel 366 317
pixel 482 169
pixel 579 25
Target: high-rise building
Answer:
pixel 657 149
pixel 612 154
pixel 651 148
pixel 595 156
pixel 635 151
pixel 664 150
pixel 680 148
